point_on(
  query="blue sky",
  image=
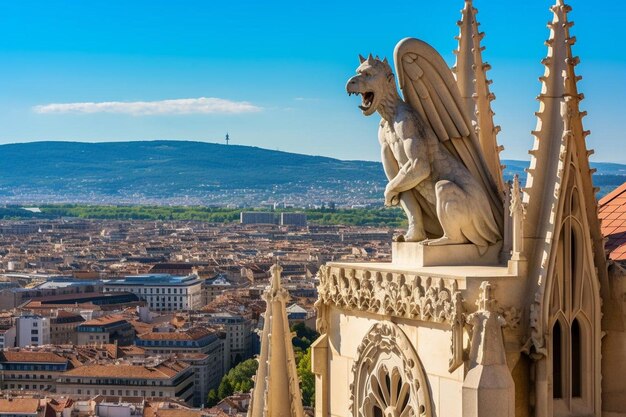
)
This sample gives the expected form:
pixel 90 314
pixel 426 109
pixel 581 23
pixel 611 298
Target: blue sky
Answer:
pixel 278 67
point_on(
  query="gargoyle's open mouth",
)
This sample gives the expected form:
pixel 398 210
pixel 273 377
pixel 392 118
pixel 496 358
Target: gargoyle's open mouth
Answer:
pixel 367 98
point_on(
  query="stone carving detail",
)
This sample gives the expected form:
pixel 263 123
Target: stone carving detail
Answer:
pixel 389 379
pixel 487 322
pixel 535 346
pixel 512 317
pixel 457 351
pixel 389 294
pixel 488 388
pixel 518 212
pixel 430 153
pixel 321 323
pixel 275 290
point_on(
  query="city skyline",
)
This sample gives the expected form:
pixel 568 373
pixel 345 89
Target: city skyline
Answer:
pixel 273 75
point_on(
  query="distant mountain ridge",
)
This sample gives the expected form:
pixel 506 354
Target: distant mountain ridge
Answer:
pixel 196 173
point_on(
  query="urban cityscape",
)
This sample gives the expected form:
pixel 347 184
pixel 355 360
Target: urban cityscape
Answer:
pixel 139 314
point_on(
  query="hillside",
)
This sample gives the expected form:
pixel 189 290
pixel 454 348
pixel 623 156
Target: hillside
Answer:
pixel 184 172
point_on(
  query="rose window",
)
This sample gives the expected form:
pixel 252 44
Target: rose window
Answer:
pixel 389 380
pixel 388 395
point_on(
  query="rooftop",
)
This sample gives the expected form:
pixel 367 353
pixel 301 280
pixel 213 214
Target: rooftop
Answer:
pixel 295 308
pixel 104 320
pixel 612 213
pixel 64 282
pixel 195 333
pixel 162 371
pixel 155 279
pixel 30 357
pixel 19 406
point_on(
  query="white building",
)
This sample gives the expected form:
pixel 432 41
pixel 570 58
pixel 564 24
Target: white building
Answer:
pixel 32 330
pixel 162 292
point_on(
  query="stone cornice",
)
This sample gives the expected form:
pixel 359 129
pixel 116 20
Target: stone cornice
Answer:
pixel 424 298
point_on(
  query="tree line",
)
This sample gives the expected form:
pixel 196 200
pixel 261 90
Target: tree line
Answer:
pixel 393 217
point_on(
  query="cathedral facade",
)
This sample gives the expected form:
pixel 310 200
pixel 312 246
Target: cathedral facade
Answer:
pixel 532 324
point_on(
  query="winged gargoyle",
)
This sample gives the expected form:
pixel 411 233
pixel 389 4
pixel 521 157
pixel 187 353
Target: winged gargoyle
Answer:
pixel 430 152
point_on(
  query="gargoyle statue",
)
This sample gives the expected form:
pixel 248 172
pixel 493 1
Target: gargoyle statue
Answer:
pixel 430 153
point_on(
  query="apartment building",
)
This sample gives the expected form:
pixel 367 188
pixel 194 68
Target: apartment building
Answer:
pixel 63 327
pixel 257 217
pixel 202 348
pixel 32 330
pixel 31 370
pixel 162 292
pixel 7 336
pixel 165 379
pixel 106 329
pixel 293 219
pixel 54 286
pixel 238 335
pixel 211 288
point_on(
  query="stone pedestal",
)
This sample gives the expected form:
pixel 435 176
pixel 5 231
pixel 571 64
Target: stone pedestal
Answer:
pixel 489 391
pixel 415 254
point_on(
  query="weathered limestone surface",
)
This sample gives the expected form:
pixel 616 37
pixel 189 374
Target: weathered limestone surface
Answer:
pixel 488 389
pixel 420 255
pixel 427 304
pixel 430 152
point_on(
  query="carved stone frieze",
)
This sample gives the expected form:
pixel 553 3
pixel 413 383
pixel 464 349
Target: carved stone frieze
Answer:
pixel 389 294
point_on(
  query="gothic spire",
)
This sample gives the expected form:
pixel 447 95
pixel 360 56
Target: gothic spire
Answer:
pixel 559 157
pixel 276 389
pixel 558 86
pixel 471 76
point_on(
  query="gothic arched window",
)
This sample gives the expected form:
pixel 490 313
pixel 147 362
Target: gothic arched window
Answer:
pixel 572 309
pixel 557 361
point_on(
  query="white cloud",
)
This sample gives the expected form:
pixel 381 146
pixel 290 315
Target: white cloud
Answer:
pixel 205 105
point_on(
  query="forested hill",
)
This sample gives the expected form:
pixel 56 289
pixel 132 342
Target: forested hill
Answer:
pixel 196 173
pixel 170 164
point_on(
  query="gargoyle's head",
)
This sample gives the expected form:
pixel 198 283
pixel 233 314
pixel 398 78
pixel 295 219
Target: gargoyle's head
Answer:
pixel 373 81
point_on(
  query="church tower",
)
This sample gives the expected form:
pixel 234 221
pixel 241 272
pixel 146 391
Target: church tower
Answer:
pixel 567 266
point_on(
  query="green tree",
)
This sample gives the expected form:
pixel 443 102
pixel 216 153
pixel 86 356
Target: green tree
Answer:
pixel 307 379
pixel 238 379
pixel 304 337
pixel 241 375
pixel 212 398
pixel 225 389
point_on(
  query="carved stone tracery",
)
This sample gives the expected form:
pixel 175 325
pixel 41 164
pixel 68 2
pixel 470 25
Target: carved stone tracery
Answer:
pixel 389 379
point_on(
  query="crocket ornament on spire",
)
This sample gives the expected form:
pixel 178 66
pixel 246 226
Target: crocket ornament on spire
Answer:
pixel 430 153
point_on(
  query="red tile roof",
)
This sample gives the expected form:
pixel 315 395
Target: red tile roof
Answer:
pixel 29 356
pixel 104 320
pixel 195 333
pixel 162 371
pixel 19 406
pixel 613 216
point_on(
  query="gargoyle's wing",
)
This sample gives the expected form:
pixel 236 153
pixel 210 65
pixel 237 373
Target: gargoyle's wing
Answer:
pixel 429 87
